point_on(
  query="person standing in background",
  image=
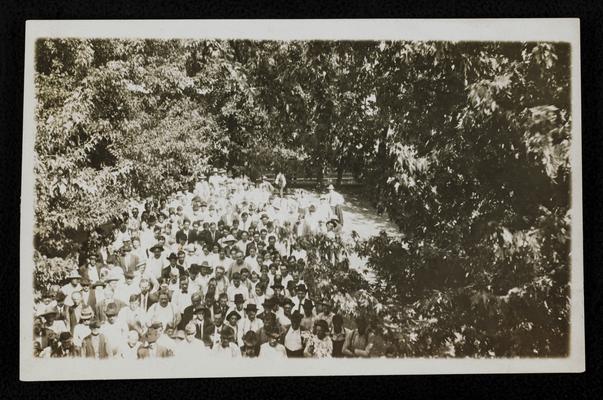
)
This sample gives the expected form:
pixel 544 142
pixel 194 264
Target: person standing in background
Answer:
pixel 280 183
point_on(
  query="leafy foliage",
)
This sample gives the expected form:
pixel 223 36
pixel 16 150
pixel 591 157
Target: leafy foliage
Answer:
pixel 465 144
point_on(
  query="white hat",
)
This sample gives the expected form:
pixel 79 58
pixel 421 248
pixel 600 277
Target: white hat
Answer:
pixel 230 238
pixel 331 186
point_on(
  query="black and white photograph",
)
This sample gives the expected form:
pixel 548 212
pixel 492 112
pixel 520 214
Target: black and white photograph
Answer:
pixel 300 198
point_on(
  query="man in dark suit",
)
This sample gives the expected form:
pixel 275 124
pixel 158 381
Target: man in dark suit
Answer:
pixel 203 325
pixel 165 272
pixel 183 234
pixel 151 349
pixel 95 345
pixel 147 299
pixel 212 236
pixel 189 312
pixel 193 234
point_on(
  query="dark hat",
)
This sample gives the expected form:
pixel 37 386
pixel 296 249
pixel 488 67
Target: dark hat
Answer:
pixel 203 204
pixel 98 283
pixel 112 309
pixel 277 285
pixel 303 287
pixel 194 268
pixel 156 247
pixel 236 275
pixel 64 336
pixel 94 324
pixel 230 314
pixel 60 296
pixel 238 298
pixel 201 307
pixel 172 256
pixel 251 307
pixel 268 302
pixel 85 282
pixel 129 275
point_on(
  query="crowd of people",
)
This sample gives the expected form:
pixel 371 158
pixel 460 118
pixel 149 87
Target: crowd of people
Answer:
pixel 217 271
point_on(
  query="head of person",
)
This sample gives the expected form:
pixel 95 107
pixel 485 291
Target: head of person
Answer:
pixel 190 330
pixel 301 291
pixel 219 272
pixel 322 328
pixel 233 318
pixel 250 342
pixel 134 301
pixel 164 299
pixel 196 299
pixel 144 285
pixel 226 336
pixel 184 284
pixel 223 299
pixel 111 312
pixel 200 311
pixel 273 336
pixel 236 279
pixel 259 289
pixel 92 260
pixel 251 311
pixel 287 307
pixel 181 257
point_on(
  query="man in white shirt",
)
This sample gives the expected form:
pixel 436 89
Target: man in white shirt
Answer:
pixel 155 262
pixel 129 349
pixel 114 330
pixel 293 338
pixel 249 323
pixel 272 349
pixel 236 288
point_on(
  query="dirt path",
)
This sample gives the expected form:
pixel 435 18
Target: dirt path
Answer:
pixel 360 216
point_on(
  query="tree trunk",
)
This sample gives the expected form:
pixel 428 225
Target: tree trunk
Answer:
pixel 340 171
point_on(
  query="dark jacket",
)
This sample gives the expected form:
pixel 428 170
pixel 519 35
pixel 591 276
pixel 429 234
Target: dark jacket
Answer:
pixel 88 350
pixel 163 352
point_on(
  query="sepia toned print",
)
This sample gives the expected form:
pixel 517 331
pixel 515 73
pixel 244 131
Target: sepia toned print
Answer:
pixel 218 200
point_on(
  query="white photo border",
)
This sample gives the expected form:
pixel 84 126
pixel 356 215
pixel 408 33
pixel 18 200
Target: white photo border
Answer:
pixel 505 30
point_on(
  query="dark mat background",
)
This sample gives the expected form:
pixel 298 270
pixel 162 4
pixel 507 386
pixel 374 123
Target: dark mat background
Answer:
pixel 12 33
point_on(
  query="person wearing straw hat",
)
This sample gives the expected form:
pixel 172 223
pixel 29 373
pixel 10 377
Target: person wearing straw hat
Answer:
pixel 50 320
pixel 82 329
pixel 72 284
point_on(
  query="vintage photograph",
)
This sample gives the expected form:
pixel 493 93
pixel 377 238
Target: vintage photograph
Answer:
pixel 209 200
